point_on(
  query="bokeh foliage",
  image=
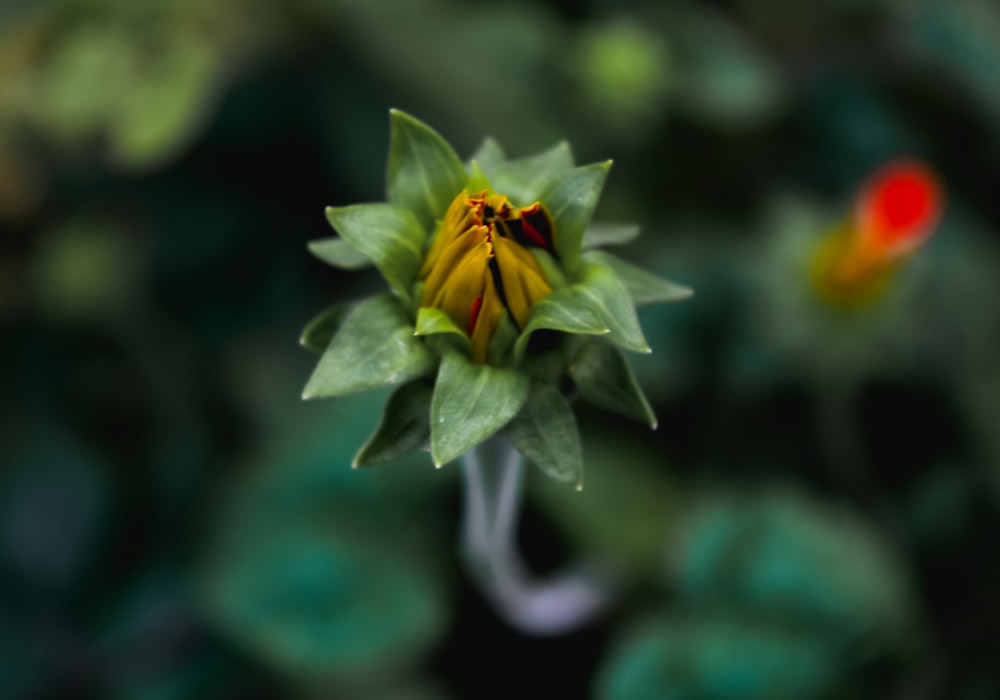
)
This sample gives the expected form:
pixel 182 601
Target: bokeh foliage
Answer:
pixel 815 515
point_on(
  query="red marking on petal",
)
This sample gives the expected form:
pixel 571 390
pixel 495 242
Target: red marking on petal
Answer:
pixel 532 233
pixel 900 205
pixel 477 306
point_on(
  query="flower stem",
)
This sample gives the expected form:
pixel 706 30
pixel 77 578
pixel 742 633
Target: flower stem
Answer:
pixel 494 474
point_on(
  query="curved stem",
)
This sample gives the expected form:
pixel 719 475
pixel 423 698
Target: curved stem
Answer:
pixel 494 475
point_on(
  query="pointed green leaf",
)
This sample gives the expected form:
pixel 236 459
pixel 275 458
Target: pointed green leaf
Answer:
pixel 470 403
pixel 571 199
pixel 608 298
pixel 388 235
pixel 405 426
pixel 432 321
pixel 424 174
pixel 375 347
pixel 605 379
pixel 320 331
pixel 568 310
pixel 489 154
pixel 524 179
pixel 339 253
pixel 545 433
pixel 477 179
pixel 601 233
pixel 644 287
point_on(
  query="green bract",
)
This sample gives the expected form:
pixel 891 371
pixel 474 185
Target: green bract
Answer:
pixel 445 399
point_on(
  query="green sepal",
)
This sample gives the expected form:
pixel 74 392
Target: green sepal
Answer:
pixel 424 175
pixel 524 179
pixel 550 268
pixel 339 253
pixel 470 403
pixel 571 199
pixel 477 180
pixel 604 378
pixel 405 426
pixel 568 310
pixel 545 432
pixel 490 154
pixel 607 297
pixel 431 321
pixel 388 235
pixel 643 287
pixel 320 330
pixel 374 347
pixel 601 233
pixel 501 349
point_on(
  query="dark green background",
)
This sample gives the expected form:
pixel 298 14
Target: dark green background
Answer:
pixel 817 514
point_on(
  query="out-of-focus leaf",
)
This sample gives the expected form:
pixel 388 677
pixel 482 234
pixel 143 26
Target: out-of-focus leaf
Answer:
pixel 324 602
pixel 162 111
pixel 601 233
pixel 471 402
pixel 644 287
pixel 717 657
pixel 524 179
pixel 604 378
pixel 374 347
pixel 424 174
pixel 721 76
pixel 545 432
pixel 489 155
pixel 339 253
pixel 405 426
pixel 388 235
pixel 799 562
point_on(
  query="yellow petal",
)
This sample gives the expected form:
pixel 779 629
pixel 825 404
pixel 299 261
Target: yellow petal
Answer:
pixel 463 284
pixel 490 314
pixel 460 217
pixel 449 259
pixel 523 281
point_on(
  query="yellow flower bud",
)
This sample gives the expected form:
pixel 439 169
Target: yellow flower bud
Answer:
pixel 479 266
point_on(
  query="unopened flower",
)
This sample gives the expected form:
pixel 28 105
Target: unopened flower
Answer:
pixel 479 258
pixel 479 266
pixel 896 211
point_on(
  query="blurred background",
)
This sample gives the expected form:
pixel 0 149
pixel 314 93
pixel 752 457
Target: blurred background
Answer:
pixel 817 515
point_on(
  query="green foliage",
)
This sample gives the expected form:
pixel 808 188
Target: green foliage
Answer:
pixel 524 179
pixel 435 322
pixel 716 658
pixel 423 174
pixel 604 378
pixel 571 198
pixel 379 343
pixel 374 347
pixel 607 296
pixel 387 235
pixel 320 331
pixel 545 432
pixel 643 287
pixel 601 233
pixel 405 426
pixel 471 402
pixel 339 253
